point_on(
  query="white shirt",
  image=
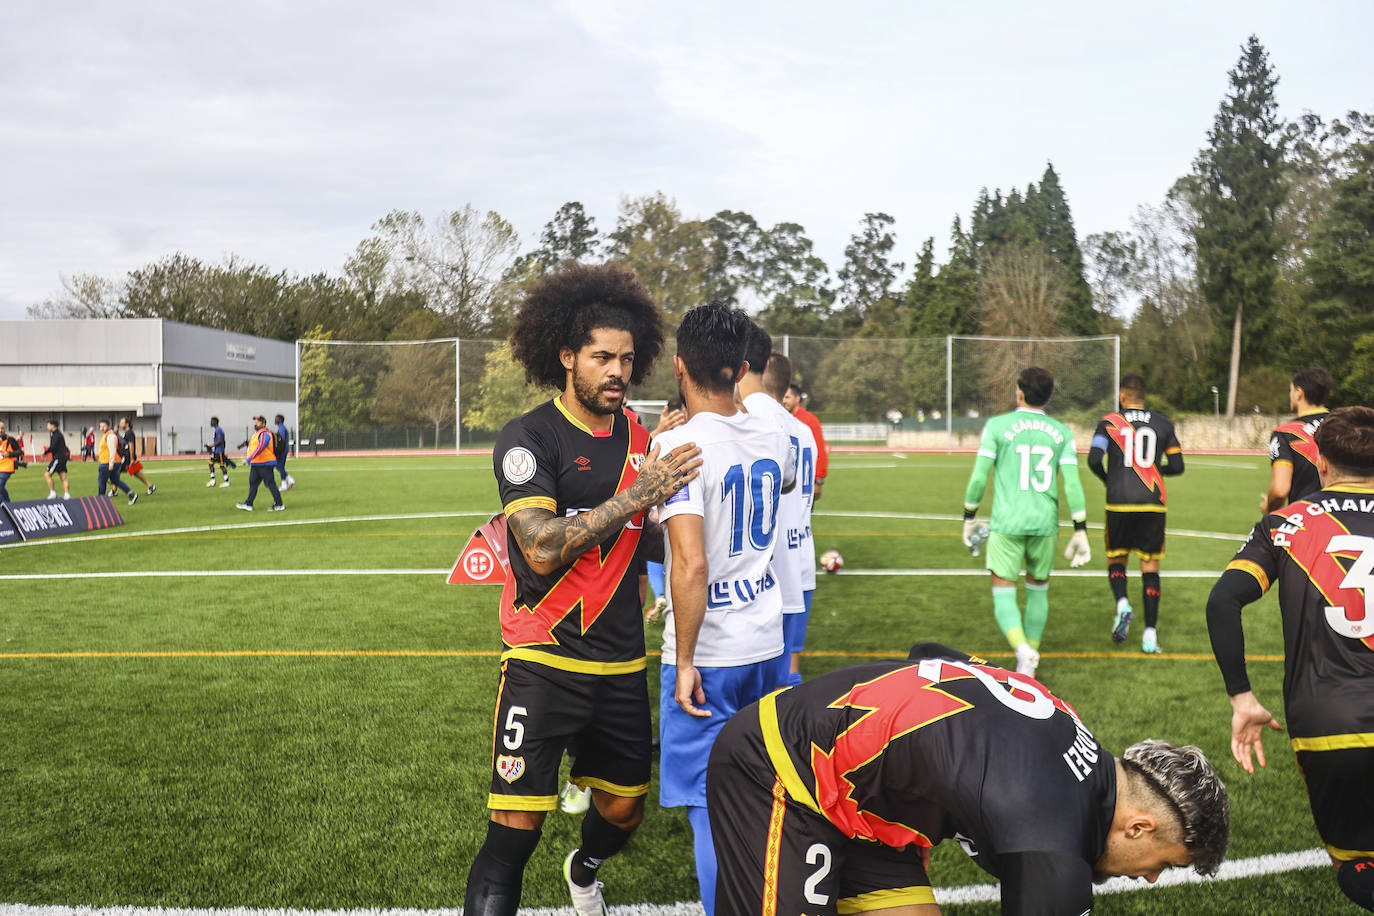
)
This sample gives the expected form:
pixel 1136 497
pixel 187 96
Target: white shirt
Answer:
pixel 793 513
pixel 736 496
pixel 798 531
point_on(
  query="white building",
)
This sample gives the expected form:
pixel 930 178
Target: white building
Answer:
pixel 169 377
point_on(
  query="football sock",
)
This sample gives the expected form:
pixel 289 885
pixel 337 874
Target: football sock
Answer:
pixel 705 855
pixel 1116 577
pixel 1007 613
pixel 1037 612
pixel 498 871
pixel 600 840
pixel 1356 879
pixel 1151 583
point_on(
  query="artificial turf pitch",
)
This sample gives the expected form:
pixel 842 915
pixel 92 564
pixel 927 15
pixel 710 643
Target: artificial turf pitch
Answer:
pixel 227 739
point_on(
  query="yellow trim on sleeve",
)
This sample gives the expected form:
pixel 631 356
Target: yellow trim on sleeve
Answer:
pixel 782 763
pixel 885 899
pixel 522 802
pixel 610 788
pixel 1334 742
pixel 1133 507
pixel 1253 569
pixel 576 665
pixel 1282 461
pixel 531 502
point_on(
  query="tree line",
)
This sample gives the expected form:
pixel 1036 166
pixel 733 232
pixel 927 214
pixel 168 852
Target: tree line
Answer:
pixel 1259 260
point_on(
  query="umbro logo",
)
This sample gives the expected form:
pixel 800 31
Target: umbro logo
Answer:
pixel 583 462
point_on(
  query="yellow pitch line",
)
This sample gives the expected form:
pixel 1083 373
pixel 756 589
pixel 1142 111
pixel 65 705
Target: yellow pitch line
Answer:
pixel 488 653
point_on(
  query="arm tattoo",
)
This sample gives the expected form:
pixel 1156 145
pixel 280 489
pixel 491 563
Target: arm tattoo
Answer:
pixel 547 540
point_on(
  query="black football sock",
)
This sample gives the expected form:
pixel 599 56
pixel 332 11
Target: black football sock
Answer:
pixel 1150 581
pixel 600 841
pixel 1356 879
pixel 497 873
pixel 1116 576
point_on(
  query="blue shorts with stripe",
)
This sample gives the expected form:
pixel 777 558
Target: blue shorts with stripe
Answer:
pixel 685 741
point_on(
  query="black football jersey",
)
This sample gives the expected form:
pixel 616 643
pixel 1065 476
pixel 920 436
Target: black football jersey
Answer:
pixel 1137 444
pixel 918 751
pixel 1294 442
pixel 584 616
pixel 1320 551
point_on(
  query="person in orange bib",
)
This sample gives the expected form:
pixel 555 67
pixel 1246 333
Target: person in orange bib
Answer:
pixel 11 455
pixel 111 460
pixel 262 465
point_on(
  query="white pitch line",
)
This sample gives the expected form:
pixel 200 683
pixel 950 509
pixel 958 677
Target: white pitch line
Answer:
pixel 195 573
pixel 973 893
pixel 938 517
pixel 246 524
pixel 976 573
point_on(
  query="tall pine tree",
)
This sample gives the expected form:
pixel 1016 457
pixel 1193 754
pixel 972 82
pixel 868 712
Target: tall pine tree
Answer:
pixel 1238 181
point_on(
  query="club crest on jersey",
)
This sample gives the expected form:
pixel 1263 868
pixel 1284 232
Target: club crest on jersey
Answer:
pixel 519 465
pixel 636 462
pixel 510 768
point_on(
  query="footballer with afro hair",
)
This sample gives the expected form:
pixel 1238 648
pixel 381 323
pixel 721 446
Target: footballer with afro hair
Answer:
pixel 561 311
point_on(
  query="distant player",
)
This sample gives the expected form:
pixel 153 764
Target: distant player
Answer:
pixel 827 798
pixel 218 457
pixel 723 644
pixel 282 444
pixel 575 481
pixel 261 459
pixel 131 465
pixel 1027 452
pixel 1320 551
pixel 1292 446
pixel 1140 449
pixel 57 453
pixel 110 454
pixel 793 401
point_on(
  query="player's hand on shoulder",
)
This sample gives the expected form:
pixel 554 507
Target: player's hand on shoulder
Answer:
pixel 660 476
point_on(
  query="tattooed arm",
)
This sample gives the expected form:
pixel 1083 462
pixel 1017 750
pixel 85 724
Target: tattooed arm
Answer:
pixel 550 543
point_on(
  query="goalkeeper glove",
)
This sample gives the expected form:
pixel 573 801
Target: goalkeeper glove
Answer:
pixel 1078 553
pixel 970 526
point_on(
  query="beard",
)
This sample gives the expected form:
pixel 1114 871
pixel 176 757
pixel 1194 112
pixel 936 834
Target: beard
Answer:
pixel 590 394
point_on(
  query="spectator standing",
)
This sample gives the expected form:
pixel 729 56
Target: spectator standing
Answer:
pixel 57 454
pixel 88 443
pixel 262 464
pixel 107 475
pixel 11 459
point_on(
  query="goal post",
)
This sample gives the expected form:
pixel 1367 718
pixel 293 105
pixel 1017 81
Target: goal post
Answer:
pixel 981 375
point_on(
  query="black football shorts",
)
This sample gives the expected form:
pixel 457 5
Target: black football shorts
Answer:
pixel 540 710
pixel 57 465
pixel 777 857
pixel 1340 788
pixel 1141 533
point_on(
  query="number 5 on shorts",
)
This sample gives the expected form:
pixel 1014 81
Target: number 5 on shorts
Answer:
pixel 514 734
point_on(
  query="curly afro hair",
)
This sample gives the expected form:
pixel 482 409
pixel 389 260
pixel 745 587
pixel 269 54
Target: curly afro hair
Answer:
pixel 566 306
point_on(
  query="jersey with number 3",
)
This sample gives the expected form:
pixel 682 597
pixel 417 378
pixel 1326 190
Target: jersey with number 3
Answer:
pixel 737 494
pixel 1320 550
pixel 1136 443
pixel 1028 449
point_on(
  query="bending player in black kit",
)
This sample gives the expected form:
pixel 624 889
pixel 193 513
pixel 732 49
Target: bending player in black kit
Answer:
pixel 576 478
pixel 1320 550
pixel 828 796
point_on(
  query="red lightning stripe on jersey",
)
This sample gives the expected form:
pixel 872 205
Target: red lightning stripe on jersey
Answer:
pixel 1309 551
pixel 1302 443
pixel 589 583
pixel 1121 428
pixel 897 703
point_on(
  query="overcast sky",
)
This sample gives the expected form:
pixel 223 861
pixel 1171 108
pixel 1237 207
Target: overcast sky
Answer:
pixel 280 131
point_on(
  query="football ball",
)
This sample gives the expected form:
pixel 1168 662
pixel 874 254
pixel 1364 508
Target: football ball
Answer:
pixel 831 561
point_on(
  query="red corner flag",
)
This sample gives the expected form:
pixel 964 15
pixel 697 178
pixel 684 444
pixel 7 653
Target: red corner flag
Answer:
pixel 483 561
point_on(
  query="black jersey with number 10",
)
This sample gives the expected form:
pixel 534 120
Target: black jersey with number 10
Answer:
pixel 1140 447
